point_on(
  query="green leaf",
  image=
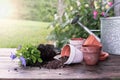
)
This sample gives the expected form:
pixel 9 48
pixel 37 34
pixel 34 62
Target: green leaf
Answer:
pixel 32 51
pixel 40 60
pixel 33 58
pixel 27 55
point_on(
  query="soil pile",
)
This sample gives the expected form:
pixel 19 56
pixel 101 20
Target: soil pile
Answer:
pixel 48 52
pixel 54 64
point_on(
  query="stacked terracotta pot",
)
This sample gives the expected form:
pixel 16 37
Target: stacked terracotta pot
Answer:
pixel 79 49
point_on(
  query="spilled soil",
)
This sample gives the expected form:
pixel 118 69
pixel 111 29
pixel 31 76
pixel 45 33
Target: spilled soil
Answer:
pixel 55 64
pixel 47 54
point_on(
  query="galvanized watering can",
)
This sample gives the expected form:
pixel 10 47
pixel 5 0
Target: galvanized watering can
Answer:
pixel 110 33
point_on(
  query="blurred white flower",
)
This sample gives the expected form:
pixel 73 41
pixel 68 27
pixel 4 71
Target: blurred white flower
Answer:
pixel 55 16
pixel 107 7
pixel 96 6
pixel 86 5
pixel 71 8
pixel 103 8
pixel 78 3
pixel 66 16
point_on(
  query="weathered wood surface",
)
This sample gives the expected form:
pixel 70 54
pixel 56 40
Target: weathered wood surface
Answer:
pixel 105 70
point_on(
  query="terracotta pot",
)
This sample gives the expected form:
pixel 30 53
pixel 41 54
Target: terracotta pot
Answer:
pixel 91 40
pixel 75 55
pixel 91 54
pixel 77 42
pixel 65 51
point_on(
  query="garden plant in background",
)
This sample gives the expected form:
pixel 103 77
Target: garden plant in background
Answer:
pixel 28 55
pixel 89 12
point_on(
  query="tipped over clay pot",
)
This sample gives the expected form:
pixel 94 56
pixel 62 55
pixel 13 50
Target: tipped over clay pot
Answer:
pixel 74 54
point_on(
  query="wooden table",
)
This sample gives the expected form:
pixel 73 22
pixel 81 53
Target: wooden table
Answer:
pixel 105 70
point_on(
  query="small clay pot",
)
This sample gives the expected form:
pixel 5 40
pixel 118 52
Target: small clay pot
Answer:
pixel 77 42
pixel 91 40
pixel 91 54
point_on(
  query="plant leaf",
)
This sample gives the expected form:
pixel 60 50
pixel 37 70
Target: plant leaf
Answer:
pixel 33 58
pixel 40 60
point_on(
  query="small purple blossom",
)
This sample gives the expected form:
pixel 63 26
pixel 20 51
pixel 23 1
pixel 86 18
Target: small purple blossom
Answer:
pixel 23 61
pixel 110 3
pixel 95 13
pixel 12 56
pixel 103 13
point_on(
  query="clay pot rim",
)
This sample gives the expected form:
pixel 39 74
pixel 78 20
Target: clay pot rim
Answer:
pixel 77 41
pixel 63 52
pixel 103 56
pixel 94 49
pixel 91 46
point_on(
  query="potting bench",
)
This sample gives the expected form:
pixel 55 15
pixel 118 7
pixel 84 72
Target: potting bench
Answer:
pixel 105 70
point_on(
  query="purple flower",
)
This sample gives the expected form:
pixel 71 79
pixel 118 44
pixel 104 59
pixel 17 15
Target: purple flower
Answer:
pixel 95 13
pixel 110 4
pixel 23 61
pixel 103 13
pixel 12 56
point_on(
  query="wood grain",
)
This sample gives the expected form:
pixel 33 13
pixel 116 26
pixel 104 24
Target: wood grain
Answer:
pixel 104 70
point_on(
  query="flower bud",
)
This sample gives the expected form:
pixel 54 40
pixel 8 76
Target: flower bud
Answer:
pixel 103 13
pixel 95 13
pixel 110 4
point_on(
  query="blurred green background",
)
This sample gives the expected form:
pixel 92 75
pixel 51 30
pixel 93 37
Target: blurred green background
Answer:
pixel 25 21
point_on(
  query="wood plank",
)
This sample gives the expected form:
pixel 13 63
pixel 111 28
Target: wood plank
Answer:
pixel 47 74
pixel 10 70
pixel 55 74
pixel 6 51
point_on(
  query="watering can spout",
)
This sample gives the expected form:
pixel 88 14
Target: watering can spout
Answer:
pixel 87 30
pixel 76 20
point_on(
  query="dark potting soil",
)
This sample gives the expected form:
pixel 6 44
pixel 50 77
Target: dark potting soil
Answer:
pixel 47 52
pixel 55 64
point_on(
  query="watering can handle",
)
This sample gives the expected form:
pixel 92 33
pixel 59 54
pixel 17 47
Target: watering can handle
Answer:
pixel 110 8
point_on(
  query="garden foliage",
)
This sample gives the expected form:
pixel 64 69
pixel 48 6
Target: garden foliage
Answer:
pixel 90 12
pixel 29 55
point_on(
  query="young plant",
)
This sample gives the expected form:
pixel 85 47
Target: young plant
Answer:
pixel 28 55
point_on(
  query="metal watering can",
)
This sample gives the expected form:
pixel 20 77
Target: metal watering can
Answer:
pixel 110 32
